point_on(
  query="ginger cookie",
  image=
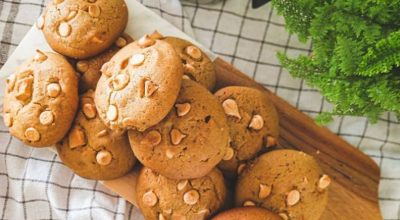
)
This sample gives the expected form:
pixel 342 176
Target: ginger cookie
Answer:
pixel 248 212
pixel 253 123
pixel 139 85
pixel 191 199
pixel 82 29
pixel 190 141
pixel 92 150
pixel 288 182
pixel 198 67
pixel 41 98
pixel 90 68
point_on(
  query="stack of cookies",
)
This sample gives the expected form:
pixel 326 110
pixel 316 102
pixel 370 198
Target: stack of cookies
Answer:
pixel 115 101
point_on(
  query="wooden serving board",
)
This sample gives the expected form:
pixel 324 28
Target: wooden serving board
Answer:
pixel 353 194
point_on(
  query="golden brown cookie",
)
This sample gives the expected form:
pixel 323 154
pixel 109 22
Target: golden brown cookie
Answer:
pixel 139 85
pixel 194 199
pixel 248 213
pixel 198 66
pixel 287 182
pixel 82 29
pixel 253 123
pixel 90 68
pixel 92 150
pixel 190 141
pixel 41 99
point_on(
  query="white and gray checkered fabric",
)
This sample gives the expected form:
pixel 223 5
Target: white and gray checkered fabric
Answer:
pixel 34 183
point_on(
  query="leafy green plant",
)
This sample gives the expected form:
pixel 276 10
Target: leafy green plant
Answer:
pixel 356 53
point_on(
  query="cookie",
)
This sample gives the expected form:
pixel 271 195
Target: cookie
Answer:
pixel 253 123
pixel 198 67
pixel 92 150
pixel 90 68
pixel 41 98
pixel 191 199
pixel 82 29
pixel 190 141
pixel 139 85
pixel 287 182
pixel 250 213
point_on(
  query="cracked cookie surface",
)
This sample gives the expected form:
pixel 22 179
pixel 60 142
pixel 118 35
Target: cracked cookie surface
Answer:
pixel 253 123
pixel 288 182
pixel 82 29
pixel 41 99
pixel 190 141
pixel 139 85
pixel 253 213
pixel 198 66
pixel 90 68
pixel 194 199
pixel 92 150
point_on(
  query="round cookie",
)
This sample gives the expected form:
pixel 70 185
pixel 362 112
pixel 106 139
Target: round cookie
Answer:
pixel 198 66
pixel 93 151
pixel 139 85
pixel 287 182
pixel 190 141
pixel 194 199
pixel 82 29
pixel 41 99
pixel 253 123
pixel 90 68
pixel 248 213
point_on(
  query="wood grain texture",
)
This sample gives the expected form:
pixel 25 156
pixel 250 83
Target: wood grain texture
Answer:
pixel 354 190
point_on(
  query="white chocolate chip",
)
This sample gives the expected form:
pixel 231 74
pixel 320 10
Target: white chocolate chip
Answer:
pixel 203 214
pixel 271 141
pixel 120 81
pixel 284 216
pixel 186 77
pixel 257 122
pixel 46 117
pixel 137 59
pixel 104 69
pixel 293 197
pixel 82 66
pixel 40 56
pixel 103 157
pixel 189 69
pixel 231 108
pixel 156 35
pixel 40 22
pixel 146 41
pixel 161 217
pixel 112 113
pixel 241 168
pixel 96 39
pixel 76 138
pixel 265 191
pixel 229 154
pixel 176 136
pixel 324 181
pixel 102 133
pixel 193 52
pixel 94 11
pixel 149 88
pixel 11 82
pixel 150 198
pixel 121 42
pixel 249 203
pixel 191 197
pixel 32 134
pixel 168 211
pixel 152 138
pixel 89 110
pixel 64 29
pixel 8 120
pixel 177 216
pixel 169 153
pixel 53 90
pixel 182 109
pixel 71 15
pixel 24 88
pixel 182 184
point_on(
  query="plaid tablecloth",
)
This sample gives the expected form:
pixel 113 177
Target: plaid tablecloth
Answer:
pixel 34 183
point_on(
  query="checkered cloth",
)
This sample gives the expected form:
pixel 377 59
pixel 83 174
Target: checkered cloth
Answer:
pixel 34 183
